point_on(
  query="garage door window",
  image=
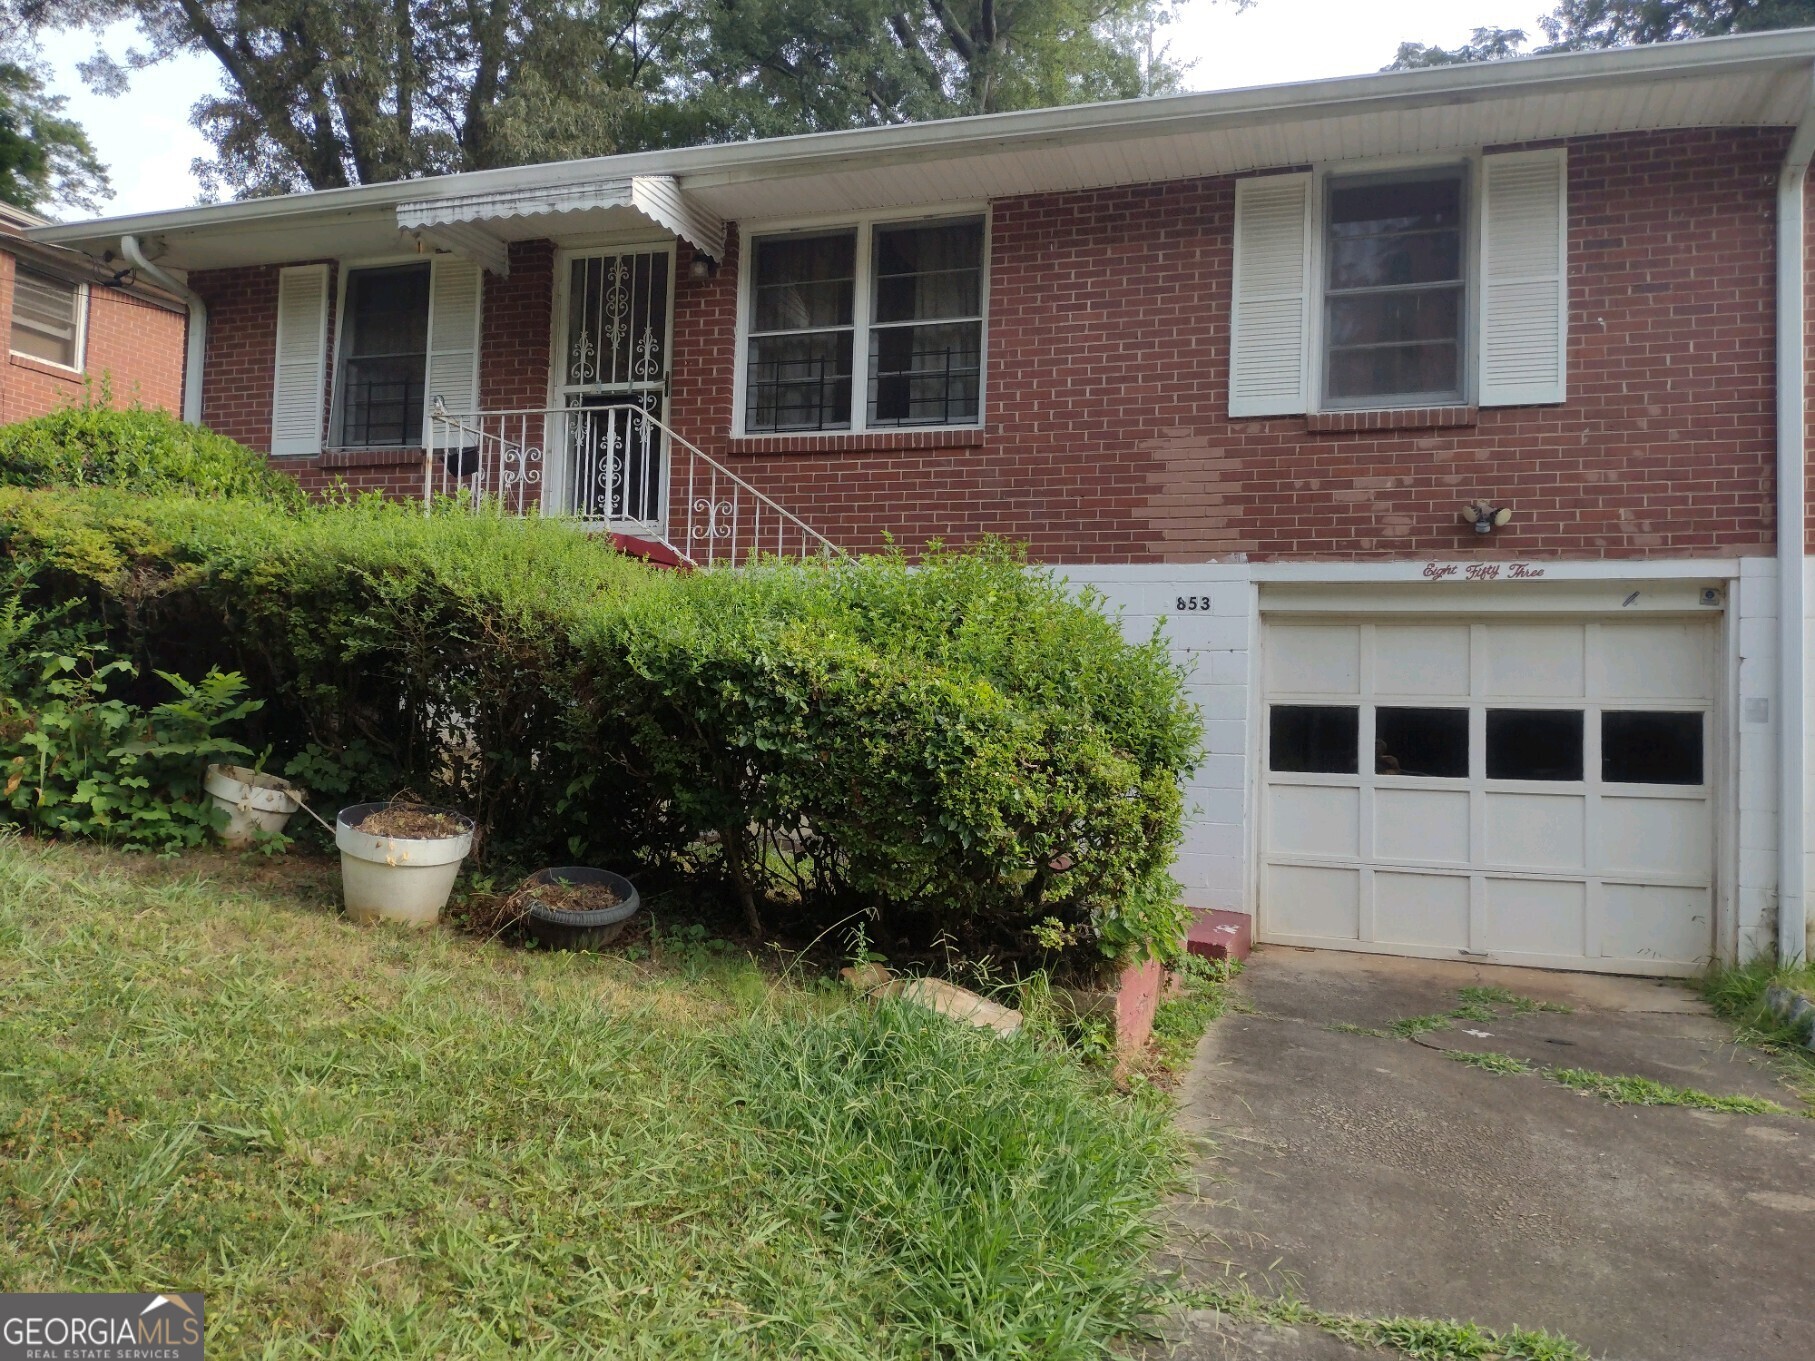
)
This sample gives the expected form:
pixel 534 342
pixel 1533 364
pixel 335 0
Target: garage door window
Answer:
pixel 1651 747
pixel 1432 743
pixel 1534 744
pixel 1314 739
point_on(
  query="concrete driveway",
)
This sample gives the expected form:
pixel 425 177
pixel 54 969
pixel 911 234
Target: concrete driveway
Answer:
pixel 1377 1176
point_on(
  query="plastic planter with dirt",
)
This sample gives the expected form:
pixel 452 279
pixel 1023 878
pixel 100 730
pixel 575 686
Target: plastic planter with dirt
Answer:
pixel 573 907
pixel 398 861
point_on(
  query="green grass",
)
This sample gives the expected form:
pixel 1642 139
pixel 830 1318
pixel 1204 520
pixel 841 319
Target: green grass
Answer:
pixel 1478 1003
pixel 1180 1020
pixel 1411 1027
pixel 1420 1339
pixel 1350 1028
pixel 1621 1090
pixel 366 1143
pixel 1489 1060
pixel 1643 1091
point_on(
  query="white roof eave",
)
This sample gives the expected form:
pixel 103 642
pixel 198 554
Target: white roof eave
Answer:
pixel 705 178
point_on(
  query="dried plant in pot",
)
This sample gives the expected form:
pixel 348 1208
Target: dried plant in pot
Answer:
pixel 575 907
pixel 398 861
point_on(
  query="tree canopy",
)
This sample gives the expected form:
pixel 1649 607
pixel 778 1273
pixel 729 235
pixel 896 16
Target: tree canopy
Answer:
pixel 46 159
pixel 317 94
pixel 1577 25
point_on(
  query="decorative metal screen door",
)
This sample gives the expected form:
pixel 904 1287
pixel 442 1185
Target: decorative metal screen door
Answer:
pixel 614 372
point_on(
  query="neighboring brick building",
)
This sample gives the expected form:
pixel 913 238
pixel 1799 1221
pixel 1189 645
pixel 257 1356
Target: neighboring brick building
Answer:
pixel 1240 360
pixel 74 327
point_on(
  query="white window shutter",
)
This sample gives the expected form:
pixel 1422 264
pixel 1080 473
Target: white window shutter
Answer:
pixel 453 365
pixel 1524 278
pixel 1270 315
pixel 302 354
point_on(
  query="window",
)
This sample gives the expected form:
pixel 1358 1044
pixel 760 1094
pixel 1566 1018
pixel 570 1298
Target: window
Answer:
pixel 893 312
pixel 47 319
pixel 1313 739
pixel 1424 742
pixel 1394 300
pixel 1443 285
pixel 801 327
pixel 1534 744
pixel 384 356
pixel 1651 747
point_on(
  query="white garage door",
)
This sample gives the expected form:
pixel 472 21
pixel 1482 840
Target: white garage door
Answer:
pixel 1527 791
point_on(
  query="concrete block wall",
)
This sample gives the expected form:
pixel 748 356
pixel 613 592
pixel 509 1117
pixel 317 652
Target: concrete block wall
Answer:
pixel 1213 634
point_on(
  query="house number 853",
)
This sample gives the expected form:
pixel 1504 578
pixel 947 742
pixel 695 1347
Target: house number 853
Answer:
pixel 1194 602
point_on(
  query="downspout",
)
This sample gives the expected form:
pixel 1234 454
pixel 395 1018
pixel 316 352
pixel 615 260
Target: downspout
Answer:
pixel 196 333
pixel 1792 471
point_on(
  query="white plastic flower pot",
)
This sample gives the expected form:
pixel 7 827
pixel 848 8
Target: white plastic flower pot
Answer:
pixel 398 879
pixel 253 802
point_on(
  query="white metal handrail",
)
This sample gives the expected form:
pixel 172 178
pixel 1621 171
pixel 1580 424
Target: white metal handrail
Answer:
pixel 617 466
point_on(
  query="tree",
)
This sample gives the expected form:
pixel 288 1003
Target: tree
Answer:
pixel 45 158
pixel 323 93
pixel 1576 25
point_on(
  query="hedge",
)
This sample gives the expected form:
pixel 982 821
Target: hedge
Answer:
pixel 954 750
pixel 135 450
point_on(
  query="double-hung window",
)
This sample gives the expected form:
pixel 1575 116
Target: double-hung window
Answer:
pixel 384 356
pixel 1394 295
pixel 1441 286
pixel 47 319
pixel 865 328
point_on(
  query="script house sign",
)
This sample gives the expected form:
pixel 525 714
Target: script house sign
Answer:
pixel 1481 571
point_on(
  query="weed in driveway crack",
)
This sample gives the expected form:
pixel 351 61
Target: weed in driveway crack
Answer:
pixel 1622 1091
pixel 1478 998
pixel 1419 1339
pixel 1411 1027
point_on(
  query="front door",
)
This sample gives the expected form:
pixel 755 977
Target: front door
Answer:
pixel 614 372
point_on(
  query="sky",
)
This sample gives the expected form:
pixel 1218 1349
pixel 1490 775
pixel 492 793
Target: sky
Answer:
pixel 145 139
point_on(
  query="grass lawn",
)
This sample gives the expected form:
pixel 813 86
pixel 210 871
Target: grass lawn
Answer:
pixel 361 1142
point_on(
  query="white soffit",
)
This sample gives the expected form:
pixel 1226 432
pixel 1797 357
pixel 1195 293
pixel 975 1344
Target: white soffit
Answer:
pixel 1235 145
pixel 479 226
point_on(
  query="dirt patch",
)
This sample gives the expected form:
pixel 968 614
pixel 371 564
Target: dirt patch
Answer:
pixel 562 896
pixel 408 823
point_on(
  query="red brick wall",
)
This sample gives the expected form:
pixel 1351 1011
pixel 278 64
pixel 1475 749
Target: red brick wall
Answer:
pixel 1107 435
pixel 1108 438
pixel 133 346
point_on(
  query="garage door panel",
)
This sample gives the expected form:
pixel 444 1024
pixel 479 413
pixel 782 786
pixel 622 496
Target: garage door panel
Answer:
pixel 1656 659
pixel 1643 921
pixel 1536 916
pixel 1413 659
pixel 1536 661
pixel 1537 831
pixel 1421 824
pixel 1323 659
pixel 1309 900
pixel 1429 910
pixel 1315 820
pixel 1669 838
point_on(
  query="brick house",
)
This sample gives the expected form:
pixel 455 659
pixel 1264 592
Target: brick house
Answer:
pixel 73 323
pixel 1445 420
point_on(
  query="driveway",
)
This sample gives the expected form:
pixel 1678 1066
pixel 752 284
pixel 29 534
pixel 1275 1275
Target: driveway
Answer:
pixel 1377 1176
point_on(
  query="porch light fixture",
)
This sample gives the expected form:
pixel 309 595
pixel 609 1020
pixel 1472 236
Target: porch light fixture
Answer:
pixel 701 267
pixel 1486 517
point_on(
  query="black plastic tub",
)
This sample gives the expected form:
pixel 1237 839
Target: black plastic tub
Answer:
pixel 579 930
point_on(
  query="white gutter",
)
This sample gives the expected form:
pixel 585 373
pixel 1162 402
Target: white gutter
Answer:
pixel 1792 472
pixel 196 333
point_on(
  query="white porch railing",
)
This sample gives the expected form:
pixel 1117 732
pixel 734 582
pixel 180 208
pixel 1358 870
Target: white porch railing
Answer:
pixel 614 466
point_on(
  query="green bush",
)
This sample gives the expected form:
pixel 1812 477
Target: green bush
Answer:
pixel 954 750
pixel 135 450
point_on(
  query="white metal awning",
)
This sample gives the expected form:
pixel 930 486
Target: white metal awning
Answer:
pixel 481 226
